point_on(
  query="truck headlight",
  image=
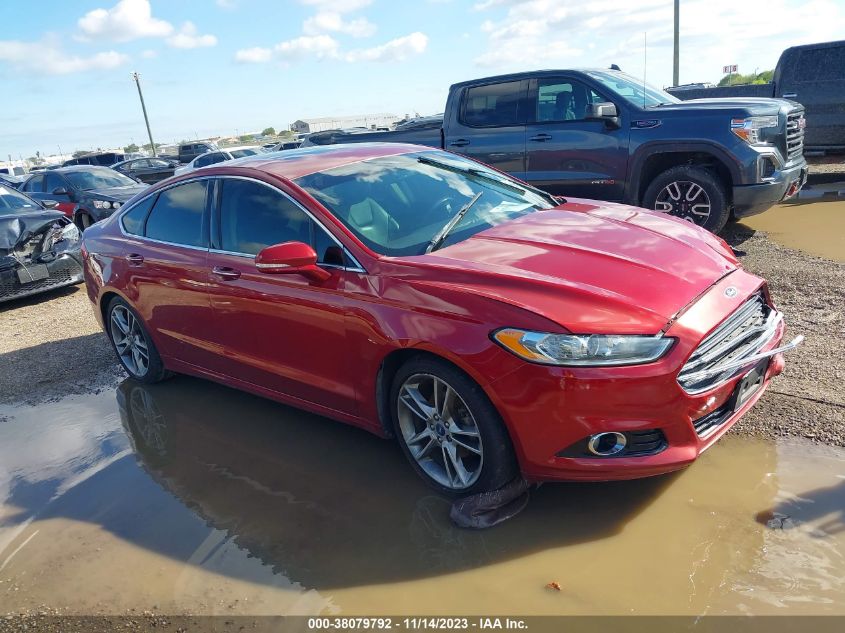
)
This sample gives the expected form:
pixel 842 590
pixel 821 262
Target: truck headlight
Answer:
pixel 102 204
pixel 583 350
pixel 748 129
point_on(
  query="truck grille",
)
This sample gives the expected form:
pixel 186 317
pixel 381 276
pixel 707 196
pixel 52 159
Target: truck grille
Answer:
pixel 794 135
pixel 743 334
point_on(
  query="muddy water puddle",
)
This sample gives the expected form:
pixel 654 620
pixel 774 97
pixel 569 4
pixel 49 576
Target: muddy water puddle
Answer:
pixel 814 225
pixel 187 497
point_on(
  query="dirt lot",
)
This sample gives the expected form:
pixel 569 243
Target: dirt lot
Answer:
pixel 52 345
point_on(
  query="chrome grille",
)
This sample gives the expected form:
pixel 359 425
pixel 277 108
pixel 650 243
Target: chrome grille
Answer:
pixel 794 135
pixel 739 336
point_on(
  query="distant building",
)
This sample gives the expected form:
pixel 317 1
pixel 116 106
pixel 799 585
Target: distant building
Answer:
pixel 306 126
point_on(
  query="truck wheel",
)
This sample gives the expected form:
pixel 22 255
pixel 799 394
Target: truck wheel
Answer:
pixel 691 193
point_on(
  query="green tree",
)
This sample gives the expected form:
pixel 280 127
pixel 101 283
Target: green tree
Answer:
pixel 131 148
pixel 269 131
pixel 738 80
pixel 148 147
pixel 246 137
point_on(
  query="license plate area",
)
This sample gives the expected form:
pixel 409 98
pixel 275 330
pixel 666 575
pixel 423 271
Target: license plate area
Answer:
pixel 30 274
pixel 750 384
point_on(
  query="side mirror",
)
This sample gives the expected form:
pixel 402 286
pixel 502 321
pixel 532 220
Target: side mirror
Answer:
pixel 49 204
pixel 605 111
pixel 291 258
pixel 60 191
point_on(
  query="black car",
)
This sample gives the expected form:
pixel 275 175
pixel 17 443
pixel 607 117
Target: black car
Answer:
pixel 103 159
pixel 39 247
pixel 149 170
pixel 86 194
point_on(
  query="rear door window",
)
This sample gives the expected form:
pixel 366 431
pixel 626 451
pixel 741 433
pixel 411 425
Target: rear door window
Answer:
pixel 179 215
pixel 134 219
pixel 493 105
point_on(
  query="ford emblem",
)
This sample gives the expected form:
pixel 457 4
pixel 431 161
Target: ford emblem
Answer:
pixel 730 292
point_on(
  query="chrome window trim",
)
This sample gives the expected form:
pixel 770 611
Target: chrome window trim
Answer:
pixel 356 267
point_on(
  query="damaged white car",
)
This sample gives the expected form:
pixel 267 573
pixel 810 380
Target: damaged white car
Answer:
pixel 39 247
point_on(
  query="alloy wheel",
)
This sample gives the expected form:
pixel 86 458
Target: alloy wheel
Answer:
pixel 440 431
pixel 129 341
pixel 684 199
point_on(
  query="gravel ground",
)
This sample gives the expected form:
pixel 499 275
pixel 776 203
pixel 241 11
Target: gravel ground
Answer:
pixel 52 345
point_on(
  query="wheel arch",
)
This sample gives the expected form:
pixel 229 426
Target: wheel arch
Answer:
pixel 652 160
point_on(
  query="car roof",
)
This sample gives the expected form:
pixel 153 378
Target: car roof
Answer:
pixel 295 163
pixel 71 168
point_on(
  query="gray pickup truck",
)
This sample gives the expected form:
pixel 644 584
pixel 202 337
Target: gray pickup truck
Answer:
pixel 604 135
pixel 813 75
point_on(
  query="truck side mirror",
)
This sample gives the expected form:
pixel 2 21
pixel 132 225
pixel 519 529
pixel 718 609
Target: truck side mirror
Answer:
pixel 605 111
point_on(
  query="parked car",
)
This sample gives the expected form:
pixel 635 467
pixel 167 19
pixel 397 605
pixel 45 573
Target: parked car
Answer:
pixel 11 181
pixel 39 247
pixel 814 76
pixel 148 170
pixel 189 151
pixel 285 145
pixel 605 135
pixel 492 328
pixel 103 159
pixel 84 194
pixel 212 158
pixel 11 171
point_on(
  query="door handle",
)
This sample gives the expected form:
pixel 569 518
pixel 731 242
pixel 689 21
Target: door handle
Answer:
pixel 539 138
pixel 226 273
pixel 790 95
pixel 134 259
pixel 461 142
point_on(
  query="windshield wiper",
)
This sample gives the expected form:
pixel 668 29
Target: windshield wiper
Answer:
pixel 438 239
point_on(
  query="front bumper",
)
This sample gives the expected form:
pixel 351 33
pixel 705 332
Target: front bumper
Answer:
pixel 548 410
pixel 64 270
pixel 784 183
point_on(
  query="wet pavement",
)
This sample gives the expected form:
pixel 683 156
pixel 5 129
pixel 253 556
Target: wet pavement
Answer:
pixel 188 497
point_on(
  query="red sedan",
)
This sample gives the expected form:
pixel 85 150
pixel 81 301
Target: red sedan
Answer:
pixel 491 328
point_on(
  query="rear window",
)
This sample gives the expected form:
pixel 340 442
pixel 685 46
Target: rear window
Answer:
pixel 177 216
pixel 493 105
pixel 821 64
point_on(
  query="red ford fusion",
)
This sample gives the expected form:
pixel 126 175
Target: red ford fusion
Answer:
pixel 492 329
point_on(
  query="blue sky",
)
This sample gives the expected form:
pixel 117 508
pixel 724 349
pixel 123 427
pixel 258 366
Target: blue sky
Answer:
pixel 214 67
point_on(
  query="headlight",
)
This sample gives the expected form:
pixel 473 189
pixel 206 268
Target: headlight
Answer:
pixel 748 129
pixel 70 233
pixel 102 204
pixel 583 350
pixel 115 205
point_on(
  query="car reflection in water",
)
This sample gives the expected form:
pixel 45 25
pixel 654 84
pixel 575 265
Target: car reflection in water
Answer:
pixel 328 505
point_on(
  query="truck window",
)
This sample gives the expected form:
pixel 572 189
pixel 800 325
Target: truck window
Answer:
pixel 492 105
pixel 821 64
pixel 563 100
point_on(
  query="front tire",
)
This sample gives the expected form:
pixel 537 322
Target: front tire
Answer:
pixel 449 430
pixel 132 343
pixel 692 193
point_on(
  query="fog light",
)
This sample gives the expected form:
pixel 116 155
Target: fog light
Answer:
pixel 606 444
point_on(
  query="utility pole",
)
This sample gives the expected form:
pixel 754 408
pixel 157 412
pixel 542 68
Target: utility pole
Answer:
pixel 676 60
pixel 137 79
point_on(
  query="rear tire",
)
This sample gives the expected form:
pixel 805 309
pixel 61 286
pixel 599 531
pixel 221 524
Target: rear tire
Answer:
pixel 449 430
pixel 132 343
pixel 692 193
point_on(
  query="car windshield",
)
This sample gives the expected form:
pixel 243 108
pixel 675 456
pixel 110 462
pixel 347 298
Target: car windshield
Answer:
pixel 98 179
pixel 634 91
pixel 11 200
pixel 248 151
pixel 396 205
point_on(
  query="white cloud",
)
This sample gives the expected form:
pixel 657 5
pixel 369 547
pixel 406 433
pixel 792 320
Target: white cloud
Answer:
pixel 396 50
pixel 330 21
pixel 187 37
pixel 317 46
pixel 47 58
pixel 337 6
pixel 125 21
pixel 255 55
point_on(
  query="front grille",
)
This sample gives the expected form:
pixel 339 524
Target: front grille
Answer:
pixel 739 336
pixel 708 424
pixel 58 277
pixel 794 135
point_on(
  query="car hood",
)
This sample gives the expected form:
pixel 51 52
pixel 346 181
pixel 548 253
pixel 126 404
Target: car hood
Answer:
pixel 120 194
pixel 748 105
pixel 590 267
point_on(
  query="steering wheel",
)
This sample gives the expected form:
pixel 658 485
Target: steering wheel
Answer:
pixel 442 207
